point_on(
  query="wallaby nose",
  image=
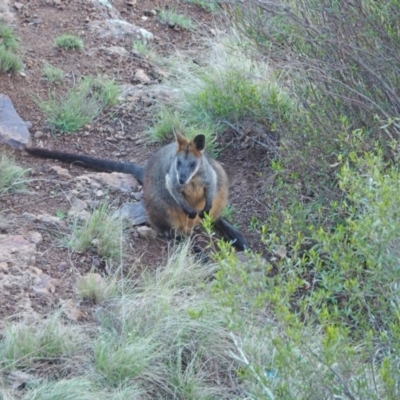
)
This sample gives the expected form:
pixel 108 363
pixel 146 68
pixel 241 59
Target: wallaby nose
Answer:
pixel 182 180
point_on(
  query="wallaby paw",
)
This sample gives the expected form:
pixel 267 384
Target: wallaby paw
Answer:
pixel 203 213
pixel 192 214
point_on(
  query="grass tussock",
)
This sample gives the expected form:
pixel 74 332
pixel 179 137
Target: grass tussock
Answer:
pixel 102 231
pixel 10 61
pixel 52 74
pixel 208 5
pixel 12 176
pixel 81 104
pixel 174 19
pixel 25 344
pixel 69 41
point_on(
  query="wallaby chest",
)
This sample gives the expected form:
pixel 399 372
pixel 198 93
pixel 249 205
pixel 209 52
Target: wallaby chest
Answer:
pixel 194 193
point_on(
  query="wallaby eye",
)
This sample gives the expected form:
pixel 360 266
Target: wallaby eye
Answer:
pixel 192 165
pixel 178 163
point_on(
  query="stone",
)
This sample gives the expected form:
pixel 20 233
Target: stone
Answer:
pixel 13 130
pixel 140 76
pixel 17 380
pixel 5 14
pixel 62 267
pixel 17 250
pixel 38 134
pixel 146 232
pixel 71 310
pixel 46 219
pixel 35 237
pixel 117 180
pixel 116 51
pixel 78 210
pixel 134 212
pixel 118 29
pixel 45 284
pixel 61 172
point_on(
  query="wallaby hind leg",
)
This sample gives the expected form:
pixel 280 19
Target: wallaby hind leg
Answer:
pixel 230 233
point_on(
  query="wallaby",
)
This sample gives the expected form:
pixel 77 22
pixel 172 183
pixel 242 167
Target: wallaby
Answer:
pixel 180 184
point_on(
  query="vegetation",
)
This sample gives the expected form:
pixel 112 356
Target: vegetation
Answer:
pixel 173 19
pixel 161 334
pixel 52 74
pixel 208 5
pixel 81 104
pixel 69 41
pixel 316 83
pixel 9 60
pixel 101 230
pixel 12 176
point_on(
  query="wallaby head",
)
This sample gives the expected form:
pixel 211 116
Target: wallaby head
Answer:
pixel 188 158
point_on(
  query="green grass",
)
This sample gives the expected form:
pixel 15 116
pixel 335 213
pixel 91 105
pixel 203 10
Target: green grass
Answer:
pixel 24 344
pixel 208 5
pixel 93 288
pixel 69 41
pixel 80 105
pixel 12 176
pixel 7 37
pixel 9 61
pixel 101 231
pixel 144 48
pixel 173 19
pixel 52 74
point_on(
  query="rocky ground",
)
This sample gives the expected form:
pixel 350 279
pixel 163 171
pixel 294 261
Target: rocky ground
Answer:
pixel 37 273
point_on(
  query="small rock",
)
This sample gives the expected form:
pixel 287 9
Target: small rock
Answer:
pixel 13 130
pixel 23 74
pixel 117 180
pixel 61 172
pixel 150 13
pixel 70 310
pixel 118 29
pixel 18 6
pixel 144 18
pixel 35 237
pixel 135 212
pixel 38 134
pixel 99 193
pixel 146 232
pixel 116 50
pixel 17 250
pixel 19 379
pixel 78 210
pixel 130 3
pixel 28 124
pixel 62 267
pixel 140 76
pixel 45 284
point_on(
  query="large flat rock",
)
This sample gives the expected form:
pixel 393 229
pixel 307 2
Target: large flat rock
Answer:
pixel 13 130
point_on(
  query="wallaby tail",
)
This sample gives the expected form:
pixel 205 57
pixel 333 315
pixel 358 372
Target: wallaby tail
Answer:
pixel 90 162
pixel 231 233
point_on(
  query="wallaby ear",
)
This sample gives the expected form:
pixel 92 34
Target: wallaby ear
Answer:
pixel 200 142
pixel 180 139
